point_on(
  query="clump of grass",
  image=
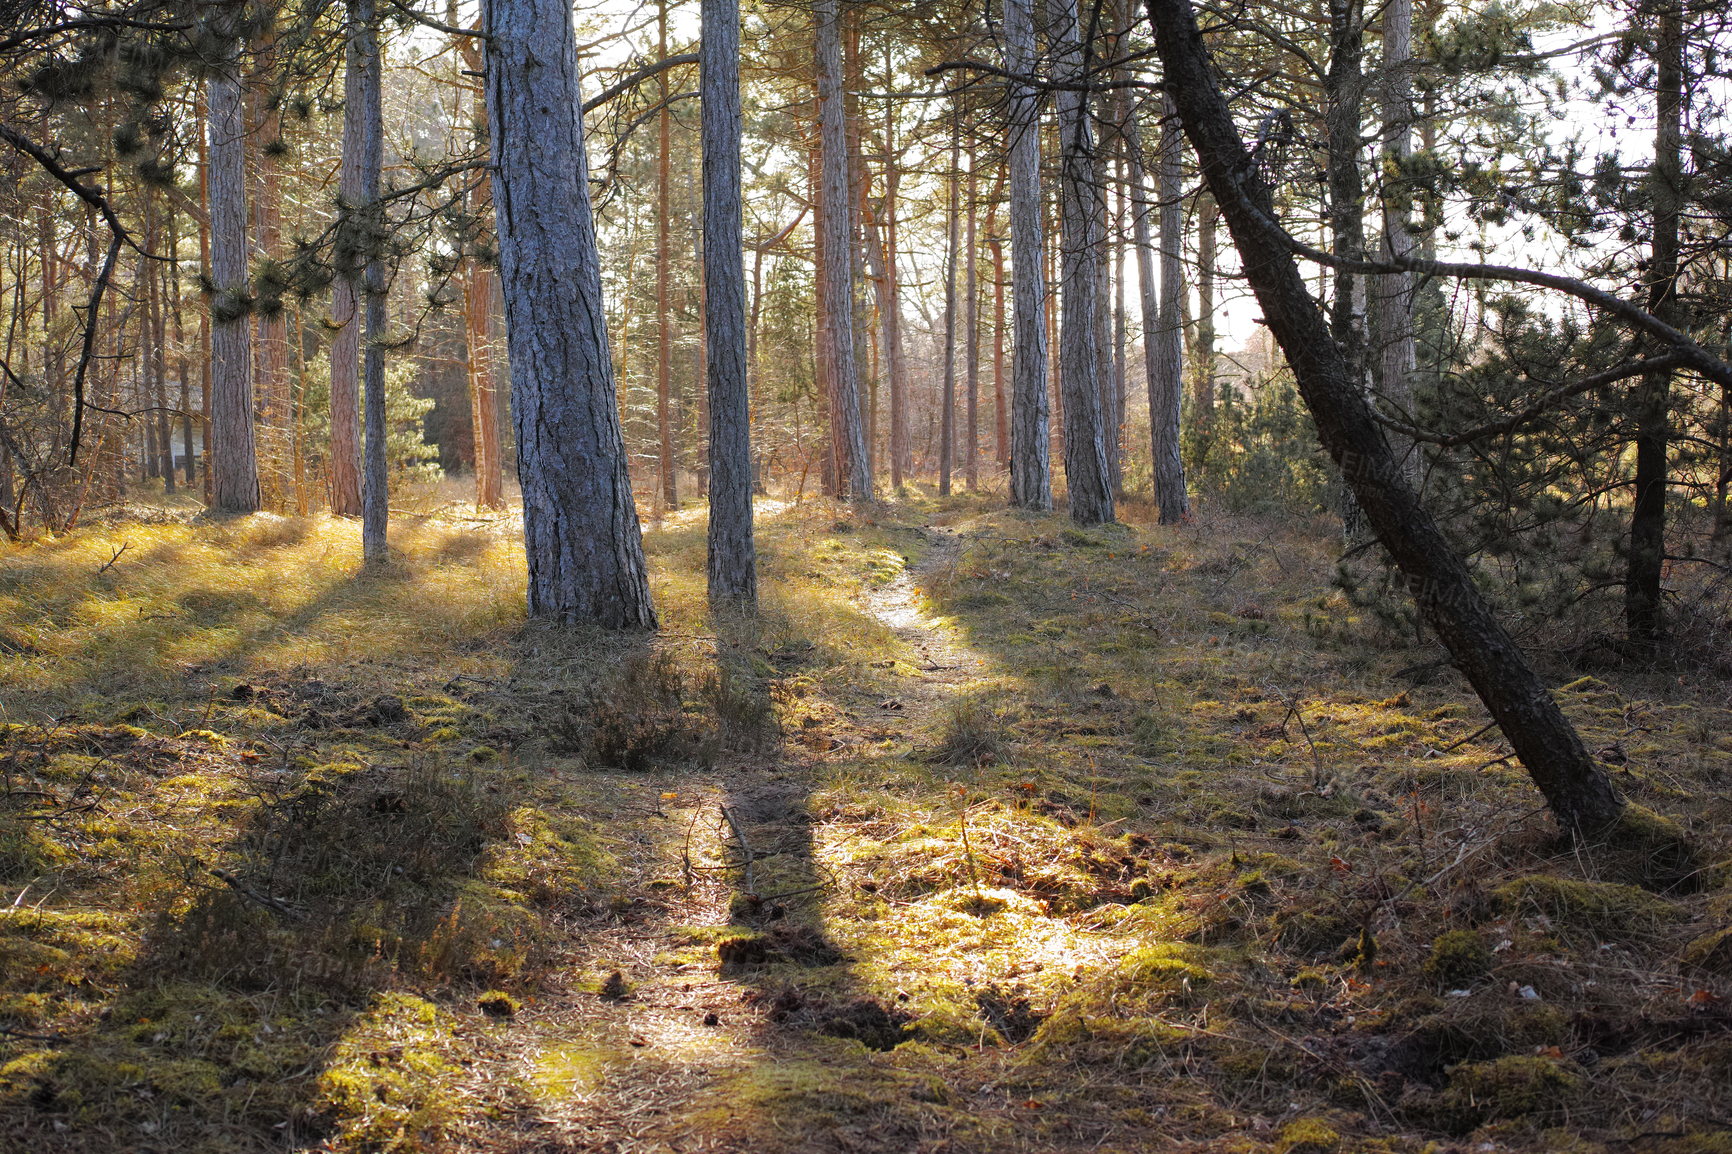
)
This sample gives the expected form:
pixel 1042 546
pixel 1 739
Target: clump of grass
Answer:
pixel 972 731
pixel 637 720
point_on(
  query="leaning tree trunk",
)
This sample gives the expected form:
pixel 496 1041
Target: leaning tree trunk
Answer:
pixel 1577 790
pixel 580 526
pixel 1083 224
pixel 233 454
pixel 732 566
pixel 1030 438
pixel 838 228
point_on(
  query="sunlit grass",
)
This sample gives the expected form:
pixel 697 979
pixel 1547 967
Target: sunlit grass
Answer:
pixel 1181 830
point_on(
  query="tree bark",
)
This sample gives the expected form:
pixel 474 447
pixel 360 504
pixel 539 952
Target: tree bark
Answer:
pixel 669 465
pixel 233 457
pixel 1644 609
pixel 952 229
pixel 1083 225
pixel 1343 97
pixel 971 337
pixel 1391 297
pixel 1167 391
pixel 1208 218
pixel 271 345
pixel 837 224
pixel 478 342
pixel 580 526
pixel 1576 789
pixel 1030 438
pixel 732 567
pixel 354 241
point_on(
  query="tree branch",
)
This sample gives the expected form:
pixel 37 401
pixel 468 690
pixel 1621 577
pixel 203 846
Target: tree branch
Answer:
pixel 638 78
pixel 1662 363
pixel 117 235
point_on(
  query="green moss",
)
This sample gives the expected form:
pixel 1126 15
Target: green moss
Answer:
pixel 1518 1086
pixel 1605 910
pixel 1308 1136
pixel 560 1072
pixel 1646 849
pixel 390 1084
pixel 1458 957
pixel 1105 1039
pixel 1711 951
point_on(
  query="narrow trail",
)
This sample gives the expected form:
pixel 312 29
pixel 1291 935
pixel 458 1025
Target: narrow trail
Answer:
pixel 625 1068
pixel 943 661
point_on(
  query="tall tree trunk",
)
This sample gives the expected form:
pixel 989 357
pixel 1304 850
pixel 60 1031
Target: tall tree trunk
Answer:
pixel 355 240
pixel 971 343
pixel 1208 221
pixel 1343 96
pixel 1392 296
pixel 478 340
pixel 901 450
pixel 732 566
pixel 669 465
pixel 233 459
pixel 823 322
pixel 360 261
pixel 952 230
pixel 155 309
pixel 182 361
pixel 1083 221
pixel 1121 331
pixel 1169 337
pixel 1644 610
pixel 1577 790
pixel 1030 439
pixel 206 351
pixel 836 222
pixel 1000 405
pixel 270 348
pixel 580 527
pixel 1148 298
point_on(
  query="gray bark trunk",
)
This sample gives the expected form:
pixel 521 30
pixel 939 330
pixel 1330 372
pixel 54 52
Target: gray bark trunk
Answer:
pixel 354 242
pixel 732 559
pixel 1644 606
pixel 370 161
pixel 233 457
pixel 837 225
pixel 1083 225
pixel 580 526
pixel 947 401
pixel 1030 436
pixel 1392 296
pixel 1166 393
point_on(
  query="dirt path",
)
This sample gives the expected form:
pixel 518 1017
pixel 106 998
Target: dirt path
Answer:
pixel 625 1066
pixel 943 660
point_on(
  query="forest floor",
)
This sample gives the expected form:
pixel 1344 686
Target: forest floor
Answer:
pixel 989 834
